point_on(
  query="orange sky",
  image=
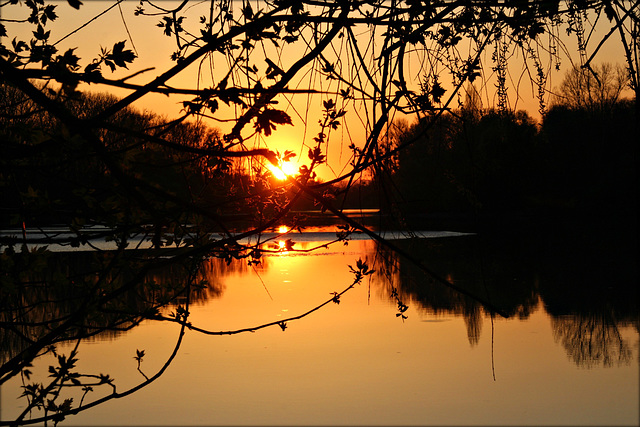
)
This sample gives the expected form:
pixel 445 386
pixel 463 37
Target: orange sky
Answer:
pixel 154 50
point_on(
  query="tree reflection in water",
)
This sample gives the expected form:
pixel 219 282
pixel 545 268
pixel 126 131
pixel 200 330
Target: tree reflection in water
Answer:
pixel 71 297
pixel 502 282
pixel 516 274
pixel 591 340
pixel 77 295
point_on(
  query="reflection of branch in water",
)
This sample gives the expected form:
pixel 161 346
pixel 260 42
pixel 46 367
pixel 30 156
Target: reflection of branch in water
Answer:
pixel 493 364
pixel 138 357
pixel 360 272
pixel 44 300
pixel 39 396
pixel 253 267
pixel 395 248
pixel 591 339
pixel 389 272
pixel 420 289
pixel 63 410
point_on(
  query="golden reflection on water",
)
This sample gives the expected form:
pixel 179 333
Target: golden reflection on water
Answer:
pixel 354 362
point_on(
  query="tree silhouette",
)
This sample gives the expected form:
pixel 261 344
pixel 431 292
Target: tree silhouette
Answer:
pixel 77 161
pixel 599 87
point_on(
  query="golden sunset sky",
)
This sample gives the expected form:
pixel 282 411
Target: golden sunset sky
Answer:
pixel 154 50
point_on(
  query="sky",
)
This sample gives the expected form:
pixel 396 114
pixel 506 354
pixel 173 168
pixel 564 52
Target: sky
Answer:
pixel 154 50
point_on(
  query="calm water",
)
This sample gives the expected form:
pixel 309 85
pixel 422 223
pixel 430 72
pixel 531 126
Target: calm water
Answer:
pixel 568 353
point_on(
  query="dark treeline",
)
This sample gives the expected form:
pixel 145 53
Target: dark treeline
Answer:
pixel 578 161
pixel 48 179
pixel 470 161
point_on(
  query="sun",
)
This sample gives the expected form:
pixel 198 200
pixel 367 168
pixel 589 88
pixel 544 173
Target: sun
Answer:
pixel 283 170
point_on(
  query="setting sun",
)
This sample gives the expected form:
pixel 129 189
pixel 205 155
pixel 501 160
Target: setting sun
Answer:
pixel 283 229
pixel 284 170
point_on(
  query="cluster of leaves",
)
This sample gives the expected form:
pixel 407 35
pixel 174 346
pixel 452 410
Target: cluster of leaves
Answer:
pixel 63 67
pixel 431 93
pixel 117 57
pixel 402 307
pixel 45 397
pixel 361 270
pixel 343 233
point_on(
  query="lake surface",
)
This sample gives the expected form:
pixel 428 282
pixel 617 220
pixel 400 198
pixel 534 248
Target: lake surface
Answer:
pixel 568 354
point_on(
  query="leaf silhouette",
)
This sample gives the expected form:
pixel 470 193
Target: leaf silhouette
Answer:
pixel 266 121
pixel 75 3
pixel 288 245
pixel 120 56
